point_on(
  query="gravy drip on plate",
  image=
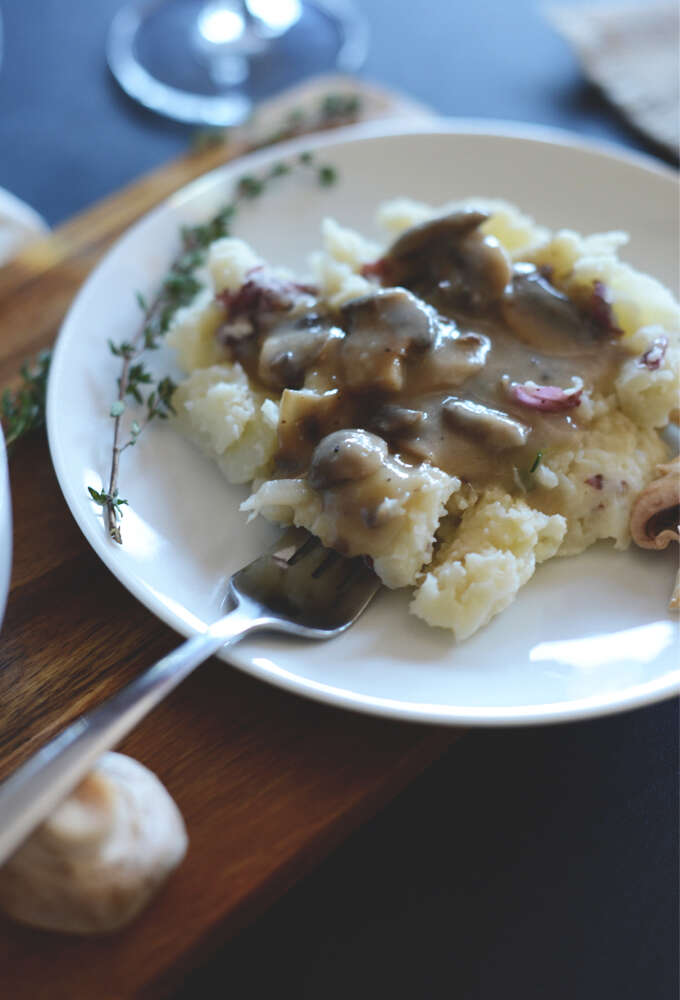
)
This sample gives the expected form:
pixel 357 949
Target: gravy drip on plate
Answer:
pixel 460 359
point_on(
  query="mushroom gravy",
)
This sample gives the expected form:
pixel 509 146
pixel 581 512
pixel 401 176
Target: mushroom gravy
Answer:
pixel 461 359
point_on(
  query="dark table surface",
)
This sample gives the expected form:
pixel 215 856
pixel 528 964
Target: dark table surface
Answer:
pixel 532 863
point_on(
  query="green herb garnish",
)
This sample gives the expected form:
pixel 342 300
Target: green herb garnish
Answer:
pixel 536 462
pixel 327 176
pixel 334 106
pixel 178 289
pixel 331 110
pixel 23 409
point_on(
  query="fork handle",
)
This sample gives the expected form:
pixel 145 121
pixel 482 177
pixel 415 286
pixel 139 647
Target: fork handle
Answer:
pixel 30 794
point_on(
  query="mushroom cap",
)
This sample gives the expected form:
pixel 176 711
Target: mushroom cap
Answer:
pixel 654 518
pixel 344 456
pixel 98 859
pixel 451 253
pixel 383 329
pixel 449 228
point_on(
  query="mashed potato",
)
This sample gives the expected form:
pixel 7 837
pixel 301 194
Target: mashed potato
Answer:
pixel 399 538
pixel 466 548
pixel 493 553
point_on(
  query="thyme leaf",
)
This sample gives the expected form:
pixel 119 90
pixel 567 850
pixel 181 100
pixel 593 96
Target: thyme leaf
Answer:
pixel 22 410
pixel 536 462
pixel 327 175
pixel 113 503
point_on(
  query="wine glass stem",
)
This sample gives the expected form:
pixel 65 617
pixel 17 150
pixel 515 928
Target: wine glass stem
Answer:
pixel 227 39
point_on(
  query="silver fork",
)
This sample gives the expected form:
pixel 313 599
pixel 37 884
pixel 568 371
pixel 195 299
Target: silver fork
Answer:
pixel 297 587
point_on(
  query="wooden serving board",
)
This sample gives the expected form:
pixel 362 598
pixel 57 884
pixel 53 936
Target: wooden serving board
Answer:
pixel 268 783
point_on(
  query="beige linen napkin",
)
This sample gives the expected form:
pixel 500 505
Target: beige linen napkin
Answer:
pixel 632 52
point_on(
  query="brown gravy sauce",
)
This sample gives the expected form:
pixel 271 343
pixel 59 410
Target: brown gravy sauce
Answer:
pixel 430 364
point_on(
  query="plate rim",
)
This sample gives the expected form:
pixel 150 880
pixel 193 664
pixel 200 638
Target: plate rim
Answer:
pixel 637 695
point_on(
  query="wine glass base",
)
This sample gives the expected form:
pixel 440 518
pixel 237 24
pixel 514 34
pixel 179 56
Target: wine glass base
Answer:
pixel 171 58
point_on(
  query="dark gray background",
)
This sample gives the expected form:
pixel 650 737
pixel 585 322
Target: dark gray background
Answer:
pixel 536 863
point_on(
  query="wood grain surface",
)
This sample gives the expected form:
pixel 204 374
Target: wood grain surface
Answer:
pixel 268 783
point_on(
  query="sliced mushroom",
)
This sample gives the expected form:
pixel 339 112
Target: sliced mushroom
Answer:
pixel 451 258
pixel 393 422
pixel 101 856
pixel 262 301
pixel 292 349
pixel 443 229
pixel 655 518
pixel 453 359
pixel 345 456
pixel 304 418
pixel 543 317
pixel 382 330
pixel 499 430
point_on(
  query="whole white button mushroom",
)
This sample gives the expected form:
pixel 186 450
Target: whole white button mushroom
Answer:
pixel 100 857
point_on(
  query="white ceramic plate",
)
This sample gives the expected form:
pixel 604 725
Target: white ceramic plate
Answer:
pixel 587 636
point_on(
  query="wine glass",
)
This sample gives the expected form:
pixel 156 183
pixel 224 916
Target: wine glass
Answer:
pixel 207 62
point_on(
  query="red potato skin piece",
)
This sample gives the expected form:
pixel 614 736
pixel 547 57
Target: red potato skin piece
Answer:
pixel 379 269
pixel 548 398
pixel 653 358
pixel 600 309
pixel 263 292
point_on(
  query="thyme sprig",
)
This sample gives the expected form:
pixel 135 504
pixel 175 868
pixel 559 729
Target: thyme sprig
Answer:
pixel 331 110
pixel 23 410
pixel 136 384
